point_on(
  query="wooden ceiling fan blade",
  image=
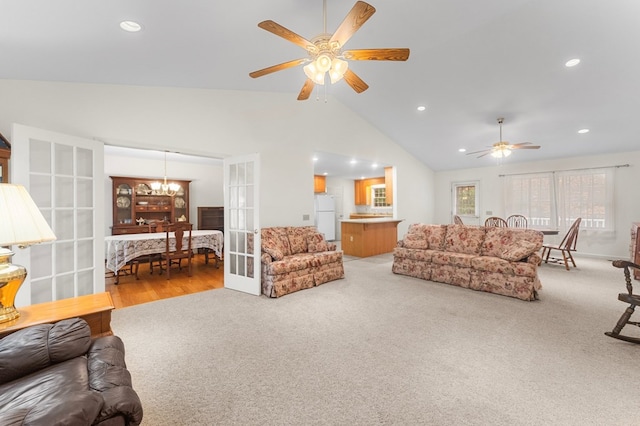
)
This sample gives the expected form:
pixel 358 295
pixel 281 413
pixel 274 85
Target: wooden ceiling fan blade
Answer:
pixel 393 54
pixel 356 17
pixel 307 88
pixel 278 67
pixel 286 34
pixel 355 82
pixel 527 147
pixel 478 152
pixel 486 153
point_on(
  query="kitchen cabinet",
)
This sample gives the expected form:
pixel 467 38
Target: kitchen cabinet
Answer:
pixel 319 184
pixel 362 190
pixel 133 199
pixel 388 184
pixel 5 153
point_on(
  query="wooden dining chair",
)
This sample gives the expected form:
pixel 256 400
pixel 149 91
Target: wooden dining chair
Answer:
pixel 457 220
pixel 632 299
pixel 496 221
pixel 566 246
pixel 517 221
pixel 174 254
pixel 156 258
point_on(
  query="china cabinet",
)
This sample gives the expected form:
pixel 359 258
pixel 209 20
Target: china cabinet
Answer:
pixel 5 153
pixel 211 218
pixel 136 204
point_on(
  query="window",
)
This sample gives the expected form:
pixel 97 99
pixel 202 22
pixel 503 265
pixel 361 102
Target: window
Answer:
pixel 465 199
pixel 557 199
pixel 378 196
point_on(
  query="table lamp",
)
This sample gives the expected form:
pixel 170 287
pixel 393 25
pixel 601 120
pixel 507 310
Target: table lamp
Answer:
pixel 21 224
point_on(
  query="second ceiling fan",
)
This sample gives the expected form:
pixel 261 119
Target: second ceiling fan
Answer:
pixel 325 54
pixel 502 148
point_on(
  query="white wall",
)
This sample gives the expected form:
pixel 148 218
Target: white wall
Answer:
pixel 627 199
pixel 205 189
pixel 218 123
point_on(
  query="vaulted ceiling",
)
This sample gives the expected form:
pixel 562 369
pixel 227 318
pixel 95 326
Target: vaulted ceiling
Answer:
pixel 471 62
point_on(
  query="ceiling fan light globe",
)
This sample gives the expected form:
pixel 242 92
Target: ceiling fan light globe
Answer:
pixel 501 153
pixel 323 63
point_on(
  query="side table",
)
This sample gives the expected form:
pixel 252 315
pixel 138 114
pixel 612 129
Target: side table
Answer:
pixel 95 309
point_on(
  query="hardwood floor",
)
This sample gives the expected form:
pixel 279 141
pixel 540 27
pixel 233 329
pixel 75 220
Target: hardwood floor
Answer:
pixel 151 287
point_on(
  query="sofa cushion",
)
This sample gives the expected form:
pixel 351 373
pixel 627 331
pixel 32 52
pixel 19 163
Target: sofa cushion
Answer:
pixel 315 243
pixel 39 346
pixel 291 264
pixel 273 252
pixel 297 236
pixel 413 254
pixel 435 234
pixel 518 250
pixel 497 238
pixel 327 257
pixel 416 241
pixel 55 395
pixel 461 260
pixel 464 239
pixel 276 238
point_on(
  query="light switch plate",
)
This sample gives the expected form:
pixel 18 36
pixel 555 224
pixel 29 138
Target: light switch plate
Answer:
pixel 305 217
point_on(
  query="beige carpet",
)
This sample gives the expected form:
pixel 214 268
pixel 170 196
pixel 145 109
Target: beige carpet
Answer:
pixel 382 349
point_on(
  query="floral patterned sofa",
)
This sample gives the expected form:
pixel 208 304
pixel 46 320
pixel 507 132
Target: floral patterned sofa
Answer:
pixel 297 257
pixel 491 259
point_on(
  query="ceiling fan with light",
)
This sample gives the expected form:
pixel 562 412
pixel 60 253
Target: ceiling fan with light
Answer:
pixel 326 54
pixel 502 148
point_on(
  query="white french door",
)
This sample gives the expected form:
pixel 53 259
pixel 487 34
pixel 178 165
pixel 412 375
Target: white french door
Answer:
pixel 65 177
pixel 241 224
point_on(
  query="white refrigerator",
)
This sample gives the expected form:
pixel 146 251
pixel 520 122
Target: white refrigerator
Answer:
pixel 326 216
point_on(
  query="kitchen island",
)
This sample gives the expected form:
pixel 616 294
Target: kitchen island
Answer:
pixel 369 237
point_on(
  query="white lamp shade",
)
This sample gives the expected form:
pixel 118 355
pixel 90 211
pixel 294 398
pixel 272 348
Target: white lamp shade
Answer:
pixel 313 73
pixel 501 153
pixel 21 222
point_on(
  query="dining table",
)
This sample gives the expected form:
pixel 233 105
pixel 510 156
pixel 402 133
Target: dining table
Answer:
pixel 121 249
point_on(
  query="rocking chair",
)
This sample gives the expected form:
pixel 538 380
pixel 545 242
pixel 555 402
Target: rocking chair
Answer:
pixel 628 297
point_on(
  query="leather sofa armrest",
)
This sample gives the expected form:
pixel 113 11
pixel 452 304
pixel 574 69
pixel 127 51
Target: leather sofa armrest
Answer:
pixel 109 376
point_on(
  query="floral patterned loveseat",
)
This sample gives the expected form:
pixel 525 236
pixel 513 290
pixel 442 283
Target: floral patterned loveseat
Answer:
pixel 491 259
pixel 297 257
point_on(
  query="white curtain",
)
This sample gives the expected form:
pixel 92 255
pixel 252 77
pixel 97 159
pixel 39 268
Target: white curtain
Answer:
pixel 557 199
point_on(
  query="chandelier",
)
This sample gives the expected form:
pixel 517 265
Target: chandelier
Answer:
pixel 165 188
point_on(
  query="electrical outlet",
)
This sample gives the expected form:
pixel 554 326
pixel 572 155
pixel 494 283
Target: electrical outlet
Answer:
pixel 305 217
pixel 489 212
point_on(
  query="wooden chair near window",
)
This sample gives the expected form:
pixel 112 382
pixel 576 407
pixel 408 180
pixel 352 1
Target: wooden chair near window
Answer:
pixel 496 221
pixel 175 255
pixel 566 246
pixel 457 220
pixel 632 299
pixel 517 221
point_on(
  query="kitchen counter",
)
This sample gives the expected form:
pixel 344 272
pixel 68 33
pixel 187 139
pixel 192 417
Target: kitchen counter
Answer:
pixel 369 237
pixel 369 216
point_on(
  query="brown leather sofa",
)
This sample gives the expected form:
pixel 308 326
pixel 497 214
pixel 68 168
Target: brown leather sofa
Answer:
pixel 55 374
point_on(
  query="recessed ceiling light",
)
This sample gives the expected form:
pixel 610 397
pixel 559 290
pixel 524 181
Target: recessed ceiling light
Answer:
pixel 422 108
pixel 353 162
pixel 462 150
pixel 572 62
pixel 582 131
pixel 130 26
pixel 315 158
pixel 374 165
pixel 325 173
